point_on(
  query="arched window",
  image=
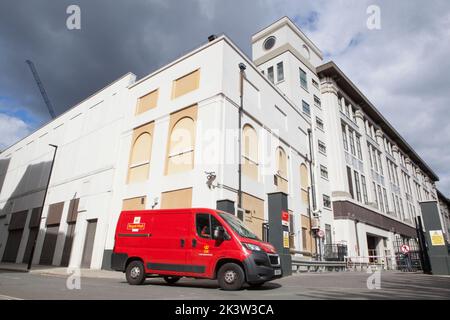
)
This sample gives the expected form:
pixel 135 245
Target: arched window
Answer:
pixel 304 183
pixel 181 146
pixel 250 152
pixel 282 180
pixel 140 154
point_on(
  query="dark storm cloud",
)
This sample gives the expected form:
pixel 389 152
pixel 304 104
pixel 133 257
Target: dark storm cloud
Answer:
pixel 115 37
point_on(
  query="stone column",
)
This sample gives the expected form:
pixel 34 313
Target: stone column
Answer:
pixel 336 164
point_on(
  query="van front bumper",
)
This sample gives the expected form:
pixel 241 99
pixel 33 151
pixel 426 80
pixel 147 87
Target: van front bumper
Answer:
pixel 258 267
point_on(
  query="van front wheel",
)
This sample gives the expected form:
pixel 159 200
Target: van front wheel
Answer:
pixel 135 273
pixel 231 277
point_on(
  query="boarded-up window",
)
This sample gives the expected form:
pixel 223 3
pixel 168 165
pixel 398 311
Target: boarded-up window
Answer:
pixel 51 234
pixel 180 150
pixel 250 154
pixel 307 239
pixel 281 174
pixel 140 153
pixel 304 182
pixel 185 84
pixel 73 210
pixel 54 213
pixel 137 203
pixel 147 102
pixel 254 213
pixel 176 199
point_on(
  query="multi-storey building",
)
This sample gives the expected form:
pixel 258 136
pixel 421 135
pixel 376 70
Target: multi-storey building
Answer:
pixel 171 139
pixel 367 180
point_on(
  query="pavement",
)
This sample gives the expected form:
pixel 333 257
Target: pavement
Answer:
pixel 56 283
pixel 59 271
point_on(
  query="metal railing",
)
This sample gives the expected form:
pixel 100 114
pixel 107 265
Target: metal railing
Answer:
pixel 334 252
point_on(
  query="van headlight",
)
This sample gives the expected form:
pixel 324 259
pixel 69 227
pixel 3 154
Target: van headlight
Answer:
pixel 251 246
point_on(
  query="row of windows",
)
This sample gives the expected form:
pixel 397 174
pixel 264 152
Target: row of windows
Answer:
pixel 271 73
pixel 380 197
pixel 352 144
pixel 351 141
pixel 306 108
pixel 347 109
pixel 304 80
pixel 359 193
pixel 392 172
pixel 375 159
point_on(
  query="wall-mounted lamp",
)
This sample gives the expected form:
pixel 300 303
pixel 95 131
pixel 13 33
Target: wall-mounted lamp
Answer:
pixel 210 177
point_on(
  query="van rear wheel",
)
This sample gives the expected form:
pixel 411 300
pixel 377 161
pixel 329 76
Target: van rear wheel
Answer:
pixel 135 273
pixel 171 280
pixel 231 277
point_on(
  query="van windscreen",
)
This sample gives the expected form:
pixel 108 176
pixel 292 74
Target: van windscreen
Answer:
pixel 238 226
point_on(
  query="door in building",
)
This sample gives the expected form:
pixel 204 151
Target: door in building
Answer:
pixel 15 231
pixel 48 249
pixel 51 235
pixel 89 243
pixel 68 245
pixel 12 245
pixel 372 244
pixel 31 238
pixel 71 220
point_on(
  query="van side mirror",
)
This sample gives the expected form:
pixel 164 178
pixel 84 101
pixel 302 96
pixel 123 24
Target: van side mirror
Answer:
pixel 219 233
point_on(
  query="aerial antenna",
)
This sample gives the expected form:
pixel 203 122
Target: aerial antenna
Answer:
pixel 41 89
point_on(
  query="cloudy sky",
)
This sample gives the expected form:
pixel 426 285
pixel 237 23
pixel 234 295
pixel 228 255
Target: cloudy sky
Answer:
pixel 403 68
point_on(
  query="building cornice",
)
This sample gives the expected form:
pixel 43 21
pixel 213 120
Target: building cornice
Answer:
pixel 328 85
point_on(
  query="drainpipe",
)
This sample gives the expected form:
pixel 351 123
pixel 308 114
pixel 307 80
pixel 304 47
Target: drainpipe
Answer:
pixel 357 237
pixel 311 171
pixel 242 68
pixel 312 188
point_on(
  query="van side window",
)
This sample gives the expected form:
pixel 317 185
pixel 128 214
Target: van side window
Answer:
pixel 205 223
pixel 203 226
pixel 214 223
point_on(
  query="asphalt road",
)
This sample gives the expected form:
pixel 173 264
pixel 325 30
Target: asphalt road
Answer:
pixel 338 285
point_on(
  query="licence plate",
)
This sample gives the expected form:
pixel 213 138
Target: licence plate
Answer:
pixel 277 272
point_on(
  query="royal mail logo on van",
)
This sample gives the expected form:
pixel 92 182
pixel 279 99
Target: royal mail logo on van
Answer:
pixel 136 225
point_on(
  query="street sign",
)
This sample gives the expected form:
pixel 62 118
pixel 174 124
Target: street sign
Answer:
pixel 437 238
pixel 285 218
pixel 286 239
pixel 405 248
pixel 320 233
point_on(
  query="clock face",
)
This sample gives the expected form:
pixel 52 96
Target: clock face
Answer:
pixel 269 43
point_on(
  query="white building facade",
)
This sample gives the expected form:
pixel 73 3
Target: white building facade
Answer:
pixel 171 140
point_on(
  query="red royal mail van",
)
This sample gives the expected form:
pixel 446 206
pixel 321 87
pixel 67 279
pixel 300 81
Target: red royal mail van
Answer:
pixel 193 242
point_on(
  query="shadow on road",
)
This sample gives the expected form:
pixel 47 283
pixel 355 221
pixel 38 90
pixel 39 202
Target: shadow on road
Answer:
pixel 206 284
